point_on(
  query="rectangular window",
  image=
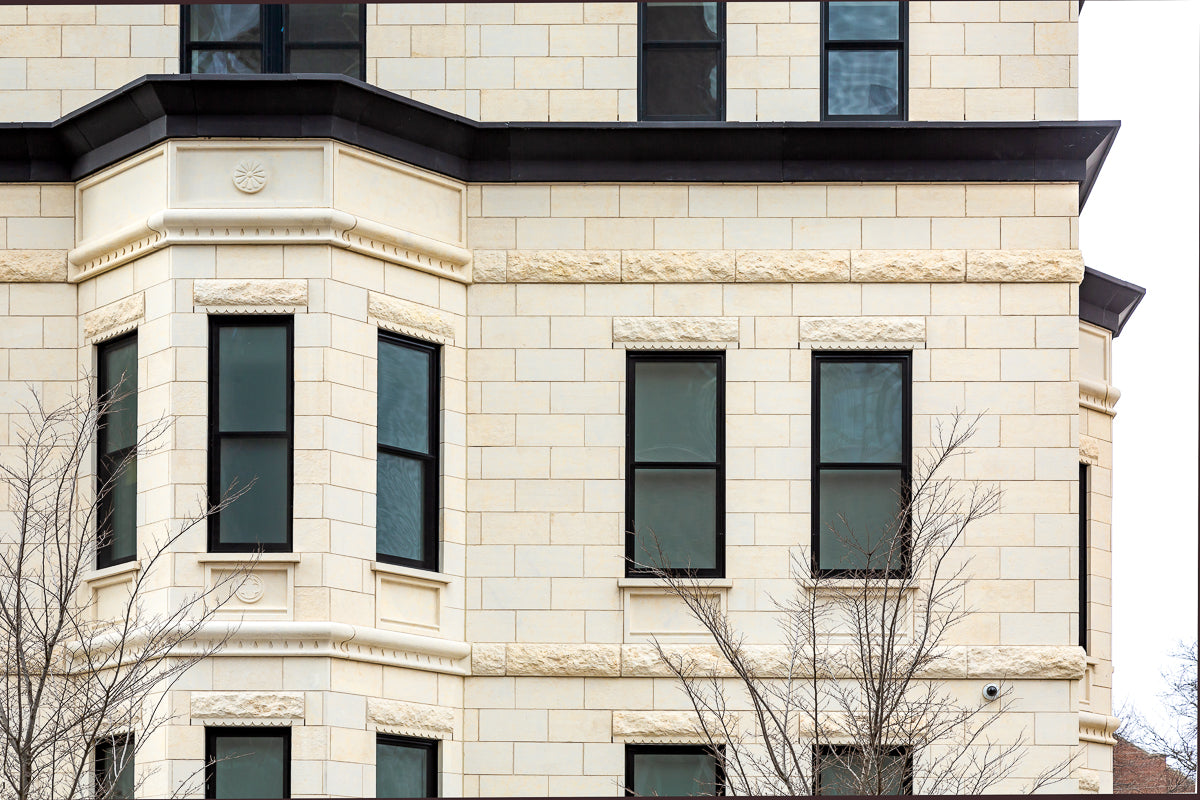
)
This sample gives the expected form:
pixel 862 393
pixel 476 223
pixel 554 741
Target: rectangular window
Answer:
pixel 675 463
pixel 864 60
pixel 115 768
pixel 845 770
pixel 1084 543
pixel 405 767
pixel 672 770
pixel 250 432
pixel 116 451
pixel 681 61
pixel 862 458
pixel 230 38
pixel 406 512
pixel 247 763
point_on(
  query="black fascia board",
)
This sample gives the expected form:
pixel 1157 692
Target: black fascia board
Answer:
pixel 1107 301
pixel 154 108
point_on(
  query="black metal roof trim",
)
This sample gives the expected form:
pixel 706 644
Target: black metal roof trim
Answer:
pixel 1107 301
pixel 158 107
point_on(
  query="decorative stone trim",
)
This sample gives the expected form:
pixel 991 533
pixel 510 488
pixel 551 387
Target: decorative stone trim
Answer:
pixel 1089 449
pixel 1099 396
pixel 489 266
pixel 642 661
pixel 656 727
pixel 258 294
pixel 1024 266
pixel 577 660
pixel 409 318
pixel 1098 728
pixel 563 266
pixel 115 318
pixel 489 659
pixel 861 332
pixel 677 266
pixel 792 266
pixel 675 329
pixel 908 266
pixel 1089 781
pixel 272 706
pixel 1049 662
pixel 410 719
pixel 33 266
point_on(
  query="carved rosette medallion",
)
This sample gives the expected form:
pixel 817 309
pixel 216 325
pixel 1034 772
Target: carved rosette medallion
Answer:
pixel 250 175
pixel 251 590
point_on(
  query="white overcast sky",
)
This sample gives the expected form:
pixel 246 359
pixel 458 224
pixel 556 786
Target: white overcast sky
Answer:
pixel 1140 63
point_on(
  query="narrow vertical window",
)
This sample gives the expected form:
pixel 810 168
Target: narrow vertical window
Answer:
pixel 406 512
pixel 247 763
pixel 846 770
pixel 862 443
pixel 250 432
pixel 672 770
pixel 864 60
pixel 1084 544
pixel 405 767
pixel 681 61
pixel 115 768
pixel 116 446
pixel 675 463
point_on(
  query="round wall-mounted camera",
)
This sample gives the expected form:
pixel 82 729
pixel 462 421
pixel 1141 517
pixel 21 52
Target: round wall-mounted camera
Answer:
pixel 991 691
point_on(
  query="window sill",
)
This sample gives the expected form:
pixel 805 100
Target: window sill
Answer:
pixel 115 571
pixel 384 568
pixel 245 558
pixel 660 583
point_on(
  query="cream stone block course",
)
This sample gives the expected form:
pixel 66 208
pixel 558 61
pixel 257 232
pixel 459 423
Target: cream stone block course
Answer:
pixel 1035 71
pixel 654 201
pixel 1032 629
pixel 1036 10
pixel 20 200
pixel 824 234
pixel 959 233
pixel 865 200
pixel 758 300
pixel 673 300
pixel 514 40
pixel 1056 595
pixel 44 233
pixel 549 429
pixel 550 626
pixel 583 528
pixel 1000 332
pixel 583 40
pixel 550 495
pixel 893 299
pixel 936 104
pixel 741 105
pixel 674 233
pixel 61 73
pixel 153 41
pixel 548 758
pixel 931 38
pixel 491 626
pixel 758 233
pixel 602 72
pixel 1056 463
pixel 722 200
pixel 1000 104
pixel 585 200
pixel 597 13
pixel 604 299
pixel 490 73
pixel 588 594
pixel 1056 38
pixel 585 398
pixel 1006 38
pixel 992 199
pixel 58 200
pixel 968 72
pixel 920 200
pixel 741 39
pixel 791 200
pixel 1029 430
pixel 1056 200
pixel 974 11
pixel 968 365
pixel 581 332
pixel 829 299
pixel 619 233
pixel 31 105
pixel 584 105
pixel 560 233
pixel 1057 104
pixel 514 105
pixel 437 41
pixel 1002 463
pixel 584 462
pixel 945 332
pixel 1035 365
pixel 548 73
pixel 1057 332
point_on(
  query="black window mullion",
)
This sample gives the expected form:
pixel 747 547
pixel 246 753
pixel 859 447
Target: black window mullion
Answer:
pixel 111 465
pixel 213 764
pixel 632 751
pixel 717 44
pixel 428 746
pixel 1084 543
pixel 899 45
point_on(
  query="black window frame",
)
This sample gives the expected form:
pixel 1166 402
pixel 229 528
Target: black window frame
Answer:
pixel 632 358
pixel 719 44
pixel 212 733
pixel 905 751
pixel 1084 543
pixel 431 764
pixel 432 461
pixel 101 757
pixel 632 749
pixel 819 357
pixel 273 46
pixel 107 468
pixel 215 323
pixel 899 45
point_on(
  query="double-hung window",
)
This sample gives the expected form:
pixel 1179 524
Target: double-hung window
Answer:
pixel 250 432
pixel 116 446
pixel 681 61
pixel 1084 542
pixel 405 767
pixel 246 763
pixel 115 768
pixel 861 450
pixel 672 770
pixel 233 38
pixel 406 511
pixel 675 463
pixel 845 770
pixel 864 60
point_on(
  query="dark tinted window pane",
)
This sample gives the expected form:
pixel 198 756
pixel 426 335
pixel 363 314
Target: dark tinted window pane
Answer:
pixel 675 510
pixel 225 23
pixel 680 22
pixel 226 62
pixel 675 414
pixel 122 510
pixel 864 82
pixel 404 396
pixel 313 22
pixel 681 81
pixel 401 770
pixel 859 510
pixel 864 20
pixel 400 510
pixel 250 766
pixel 118 364
pixel 338 62
pixel 115 770
pixel 261 514
pixel 862 412
pixel 846 772
pixel 674 774
pixel 253 380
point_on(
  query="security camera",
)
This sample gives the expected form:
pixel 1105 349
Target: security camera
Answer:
pixel 991 691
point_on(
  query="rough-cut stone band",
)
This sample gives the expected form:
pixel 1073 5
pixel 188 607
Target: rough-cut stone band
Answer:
pixel 247 705
pixel 114 316
pixel 408 314
pixel 411 717
pixel 675 329
pixel 1089 449
pixel 862 329
pixel 257 293
pixel 658 726
pixel 33 266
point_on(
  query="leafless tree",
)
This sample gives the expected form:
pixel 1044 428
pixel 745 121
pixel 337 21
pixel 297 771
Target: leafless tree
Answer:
pixel 75 678
pixel 856 697
pixel 1175 737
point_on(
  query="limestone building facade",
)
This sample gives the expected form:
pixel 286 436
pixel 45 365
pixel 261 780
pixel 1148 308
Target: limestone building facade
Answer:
pixel 423 292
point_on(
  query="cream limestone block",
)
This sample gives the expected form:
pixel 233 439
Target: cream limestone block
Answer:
pixel 580 660
pixel 416 718
pixel 675 329
pixel 695 266
pixel 886 266
pixel 641 660
pixel 792 266
pixel 1024 266
pixel 489 266
pixel 564 266
pixel 1089 449
pixel 1066 663
pixel 862 329
pixel 286 293
pixel 488 659
pixel 33 266
pixel 410 315
pixel 114 317
pixel 682 726
pixel 247 705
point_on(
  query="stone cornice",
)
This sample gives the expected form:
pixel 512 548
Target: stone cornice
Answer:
pixel 1099 396
pixel 1097 728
